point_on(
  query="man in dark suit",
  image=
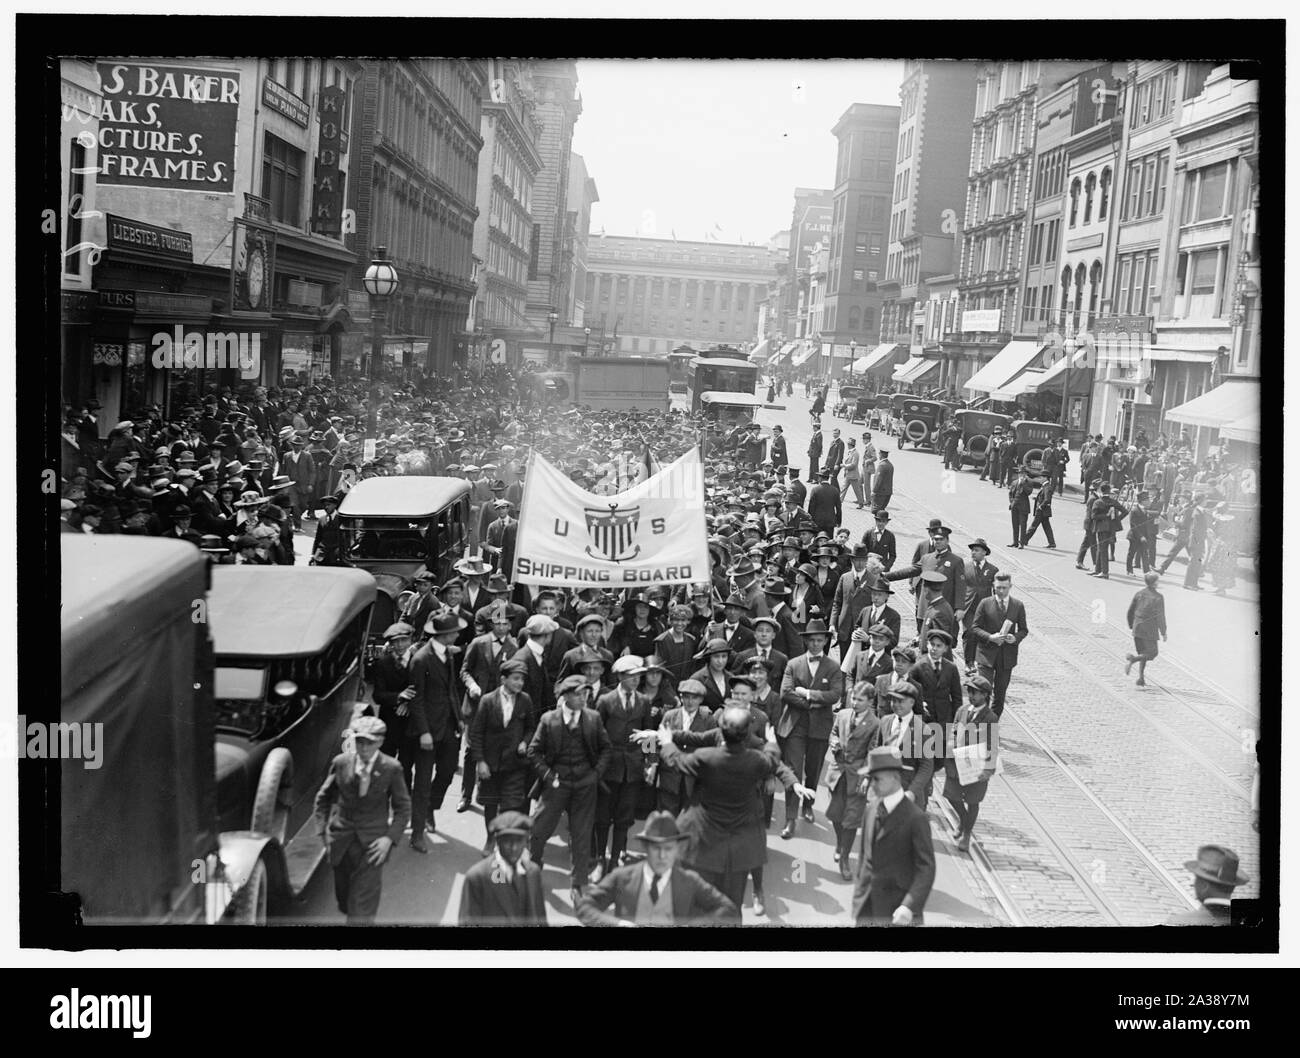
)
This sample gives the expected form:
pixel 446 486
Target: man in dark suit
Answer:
pixel 480 672
pixel 1018 493
pixel 814 451
pixel 570 752
pixel 998 651
pixel 499 732
pixel 776 452
pixel 590 631
pixel 734 627
pixel 824 504
pixel 353 809
pixel 433 733
pixel 811 691
pixel 656 892
pixel 389 678
pixel 501 536
pixel 979 586
pixel 880 540
pixel 504 889
pixel 880 612
pixel 868 657
pixel 1043 513
pixel 940 685
pixel 935 610
pixel 796 489
pixel 882 489
pixel 834 460
pixel 852 596
pixel 973 724
pixel 539 629
pixel 622 710
pixel 726 823
pixel 895 851
pixel 766 630
pixel 940 560
pixel 675 789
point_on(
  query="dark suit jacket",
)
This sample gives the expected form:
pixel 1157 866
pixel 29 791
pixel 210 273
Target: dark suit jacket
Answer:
pixel 847 605
pixel 987 622
pixel 979 586
pixel 479 664
pixel 828 589
pixel 799 491
pixel 883 543
pixel 889 617
pixel 695 901
pixel 819 707
pixel 539 688
pixel 824 506
pixel 949 564
pixel 626 756
pixel 671 780
pixel 741 639
pixel 788 640
pixel 495 742
pixel 882 487
pixel 569 665
pixel 364 818
pixel 780 659
pixel 434 708
pixel 487 899
pixel 896 868
pixel 940 689
pixel 835 453
pixel 862 671
pixel 543 750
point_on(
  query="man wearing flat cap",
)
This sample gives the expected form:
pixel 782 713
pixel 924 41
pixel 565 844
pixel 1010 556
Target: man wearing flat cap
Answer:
pixel 499 732
pixel 480 672
pixel 569 754
pixel 504 889
pixel 389 676
pixel 361 810
pixel 974 732
pixel 895 851
pixel 656 891
pixel 1215 875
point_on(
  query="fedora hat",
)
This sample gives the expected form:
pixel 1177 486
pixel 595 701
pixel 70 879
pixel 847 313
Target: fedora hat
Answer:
pixel 884 758
pixel 660 829
pixel 447 621
pixel 816 627
pixel 1217 864
pixel 742 568
pixel 775 587
pixel 739 601
pixel 497 583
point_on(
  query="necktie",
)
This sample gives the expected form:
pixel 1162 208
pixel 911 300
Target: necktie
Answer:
pixel 654 889
pixel 365 782
pixel 881 813
pixel 764 653
pixel 522 890
pixel 1002 610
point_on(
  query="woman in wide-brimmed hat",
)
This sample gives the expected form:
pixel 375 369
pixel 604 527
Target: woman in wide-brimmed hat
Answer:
pixel 716 656
pixel 636 631
pixel 806 595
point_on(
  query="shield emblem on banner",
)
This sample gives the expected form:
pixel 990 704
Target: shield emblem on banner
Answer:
pixel 612 532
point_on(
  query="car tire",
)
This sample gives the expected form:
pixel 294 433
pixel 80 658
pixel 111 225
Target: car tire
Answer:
pixel 274 793
pixel 248 908
pixel 1034 455
pixel 920 434
pixel 978 446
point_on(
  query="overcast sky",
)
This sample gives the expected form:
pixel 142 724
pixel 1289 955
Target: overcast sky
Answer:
pixel 684 145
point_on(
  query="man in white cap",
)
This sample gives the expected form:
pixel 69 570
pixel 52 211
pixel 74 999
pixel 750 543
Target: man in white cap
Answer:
pixel 622 711
pixel 353 809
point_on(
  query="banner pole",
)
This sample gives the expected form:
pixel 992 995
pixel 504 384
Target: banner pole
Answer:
pixel 523 502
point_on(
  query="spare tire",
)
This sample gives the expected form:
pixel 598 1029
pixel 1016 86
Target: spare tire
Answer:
pixel 978 445
pixel 1033 456
pixel 916 430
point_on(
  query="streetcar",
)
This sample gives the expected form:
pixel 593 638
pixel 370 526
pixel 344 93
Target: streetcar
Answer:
pixel 679 369
pixel 719 374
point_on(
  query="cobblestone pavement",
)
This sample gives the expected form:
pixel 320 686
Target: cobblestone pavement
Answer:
pixel 1108 788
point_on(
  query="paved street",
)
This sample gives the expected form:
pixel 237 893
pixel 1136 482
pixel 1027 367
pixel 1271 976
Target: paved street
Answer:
pixel 1107 788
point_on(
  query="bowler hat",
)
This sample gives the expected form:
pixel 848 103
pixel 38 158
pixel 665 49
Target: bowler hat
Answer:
pixel 882 516
pixel 937 526
pixel 1217 864
pixel 661 829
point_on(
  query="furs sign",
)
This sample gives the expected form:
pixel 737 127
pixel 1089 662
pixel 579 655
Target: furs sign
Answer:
pixel 167 126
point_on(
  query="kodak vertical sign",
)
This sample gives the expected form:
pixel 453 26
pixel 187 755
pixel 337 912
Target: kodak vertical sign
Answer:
pixel 327 205
pixel 654 533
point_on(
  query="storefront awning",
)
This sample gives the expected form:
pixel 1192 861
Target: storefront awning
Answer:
pixel 761 351
pixel 1182 356
pixel 914 369
pixel 1244 429
pixel 1219 406
pixel 804 354
pixel 880 358
pixel 1033 380
pixel 1013 358
pixel 785 351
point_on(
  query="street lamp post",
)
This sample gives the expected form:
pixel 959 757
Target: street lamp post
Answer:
pixel 381 282
pixel 553 317
pixel 586 340
pixel 853 355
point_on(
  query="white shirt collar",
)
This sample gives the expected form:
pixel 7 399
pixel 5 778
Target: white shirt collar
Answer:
pixel 569 714
pixel 649 877
pixel 438 648
pixel 536 648
pixel 891 802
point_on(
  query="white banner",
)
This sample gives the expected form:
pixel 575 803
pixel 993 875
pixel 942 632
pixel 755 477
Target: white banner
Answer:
pixel 652 534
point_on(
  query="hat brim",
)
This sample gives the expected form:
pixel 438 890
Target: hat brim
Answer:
pixel 1195 867
pixel 656 840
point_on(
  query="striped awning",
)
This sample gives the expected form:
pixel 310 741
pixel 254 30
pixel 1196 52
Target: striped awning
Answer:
pixel 1013 358
pixel 785 351
pixel 1219 406
pixel 914 369
pixel 804 354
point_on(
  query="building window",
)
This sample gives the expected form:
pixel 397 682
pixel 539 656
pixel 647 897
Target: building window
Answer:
pixel 1031 301
pixel 1105 194
pixel 1075 187
pixel 282 179
pixel 860 243
pixel 1053 238
pixel 877 245
pixel 1089 187
pixel 1208 193
pixel 534 252
pixel 76 204
pixel 1194 78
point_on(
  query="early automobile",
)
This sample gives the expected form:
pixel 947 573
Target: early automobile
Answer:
pixel 1029 439
pixel 222 693
pixel 976 429
pixel 394 527
pixel 855 404
pixel 881 411
pixel 920 419
pixel 729 410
